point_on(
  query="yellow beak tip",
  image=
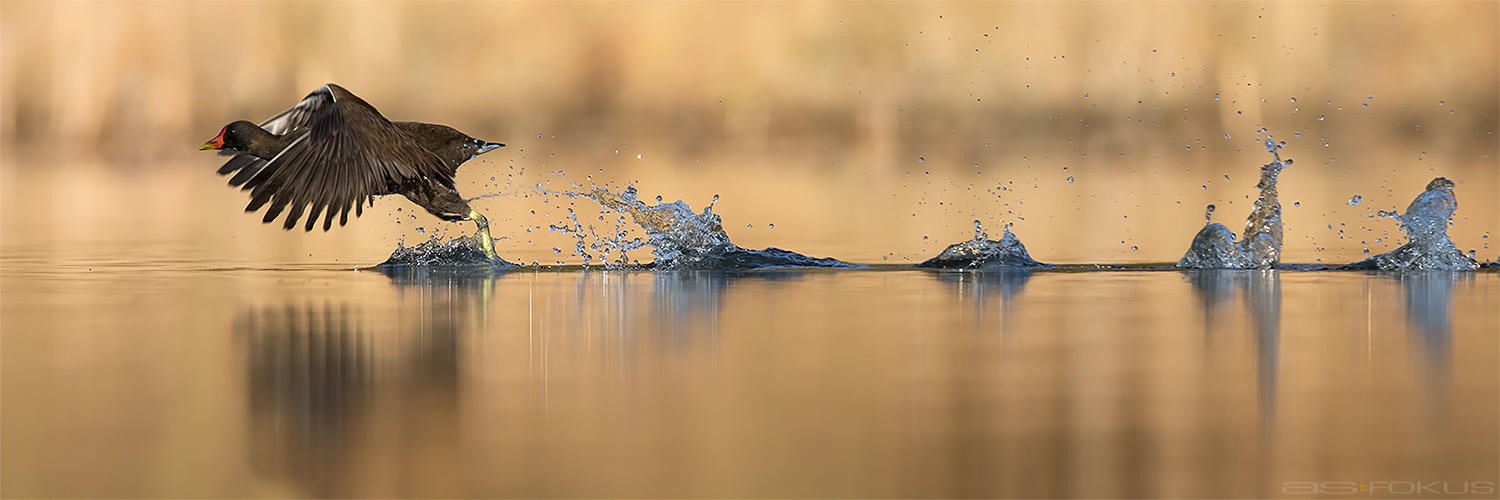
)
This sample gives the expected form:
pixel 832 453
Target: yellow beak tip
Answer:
pixel 206 147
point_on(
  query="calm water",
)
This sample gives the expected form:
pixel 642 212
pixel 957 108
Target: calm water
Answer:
pixel 179 376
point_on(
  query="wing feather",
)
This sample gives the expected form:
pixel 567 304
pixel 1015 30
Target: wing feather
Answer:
pixel 348 153
pixel 300 115
pixel 239 162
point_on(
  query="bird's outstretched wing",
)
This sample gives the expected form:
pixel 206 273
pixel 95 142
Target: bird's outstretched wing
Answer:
pixel 247 165
pixel 299 116
pixel 344 154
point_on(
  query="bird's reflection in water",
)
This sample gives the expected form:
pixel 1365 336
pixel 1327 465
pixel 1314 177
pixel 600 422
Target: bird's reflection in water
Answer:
pixel 312 379
pixel 1261 291
pixel 978 285
pixel 330 382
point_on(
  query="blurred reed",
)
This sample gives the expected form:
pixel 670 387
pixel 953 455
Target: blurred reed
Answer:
pixel 141 79
pixel 874 132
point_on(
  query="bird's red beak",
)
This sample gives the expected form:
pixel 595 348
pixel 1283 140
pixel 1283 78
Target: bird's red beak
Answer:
pixel 216 143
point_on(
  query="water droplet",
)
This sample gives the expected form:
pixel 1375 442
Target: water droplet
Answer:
pixel 1134 248
pixel 1354 200
pixel 921 159
pixel 421 230
pixel 658 199
pixel 1320 117
pixel 640 157
pixel 1070 179
pixel 771 225
pixel 749 226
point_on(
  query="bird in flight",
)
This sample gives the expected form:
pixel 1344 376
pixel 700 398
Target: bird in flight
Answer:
pixel 333 152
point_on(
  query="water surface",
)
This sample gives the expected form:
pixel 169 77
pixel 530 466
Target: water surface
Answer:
pixel 184 377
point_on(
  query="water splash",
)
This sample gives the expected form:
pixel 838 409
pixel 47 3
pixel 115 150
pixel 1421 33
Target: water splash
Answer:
pixel 983 252
pixel 462 252
pixel 1426 225
pixel 1214 247
pixel 682 239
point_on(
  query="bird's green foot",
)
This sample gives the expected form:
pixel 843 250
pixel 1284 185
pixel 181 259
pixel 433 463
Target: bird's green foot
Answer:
pixel 485 242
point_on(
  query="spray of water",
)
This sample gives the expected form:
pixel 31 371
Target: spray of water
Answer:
pixel 682 239
pixel 1214 247
pixel 462 252
pixel 1426 225
pixel 983 252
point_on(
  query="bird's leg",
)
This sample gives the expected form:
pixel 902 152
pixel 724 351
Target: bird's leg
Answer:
pixel 484 234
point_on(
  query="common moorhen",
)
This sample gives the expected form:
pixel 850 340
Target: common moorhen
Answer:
pixel 334 152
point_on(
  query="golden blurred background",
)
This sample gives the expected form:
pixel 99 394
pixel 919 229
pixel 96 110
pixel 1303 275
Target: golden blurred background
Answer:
pixel 872 132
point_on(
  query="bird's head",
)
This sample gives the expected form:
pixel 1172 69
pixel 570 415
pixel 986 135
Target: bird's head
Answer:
pixel 233 137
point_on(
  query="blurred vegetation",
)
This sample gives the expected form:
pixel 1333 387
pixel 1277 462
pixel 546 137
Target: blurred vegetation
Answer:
pixel 143 79
pixel 874 132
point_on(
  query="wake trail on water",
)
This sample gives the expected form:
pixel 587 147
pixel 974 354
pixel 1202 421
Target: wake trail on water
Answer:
pixel 681 238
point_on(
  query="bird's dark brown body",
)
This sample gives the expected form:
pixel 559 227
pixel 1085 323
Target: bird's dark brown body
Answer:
pixel 333 152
